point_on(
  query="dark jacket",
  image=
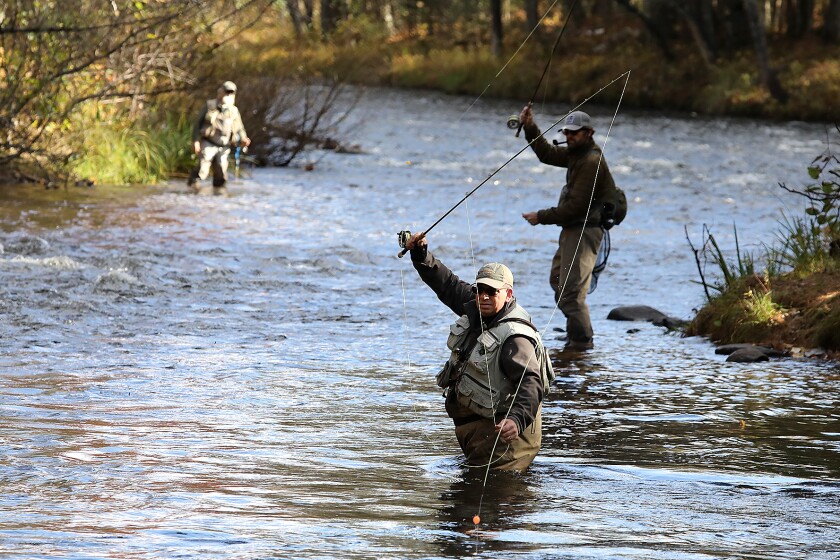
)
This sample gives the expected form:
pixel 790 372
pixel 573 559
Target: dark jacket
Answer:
pixel 519 358
pixel 586 168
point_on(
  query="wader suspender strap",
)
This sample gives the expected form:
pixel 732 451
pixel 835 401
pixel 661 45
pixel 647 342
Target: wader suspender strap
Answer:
pixel 518 320
pixel 464 353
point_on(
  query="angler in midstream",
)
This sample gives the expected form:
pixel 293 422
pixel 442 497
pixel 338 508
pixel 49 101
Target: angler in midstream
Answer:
pixel 498 370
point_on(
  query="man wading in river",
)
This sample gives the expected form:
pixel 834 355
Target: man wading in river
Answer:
pixel 218 127
pixel 498 369
pixel 578 213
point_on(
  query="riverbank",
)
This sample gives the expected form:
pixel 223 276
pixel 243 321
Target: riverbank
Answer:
pixel 591 56
pixel 792 313
pixel 809 71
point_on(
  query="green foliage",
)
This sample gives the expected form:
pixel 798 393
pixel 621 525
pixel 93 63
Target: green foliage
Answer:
pixel 746 312
pixel 759 307
pixel 798 247
pixel 825 196
pixel 119 153
pixel 731 272
pixel 811 243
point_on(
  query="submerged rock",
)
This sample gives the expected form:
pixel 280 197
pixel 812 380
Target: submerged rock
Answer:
pixel 645 313
pixel 727 349
pixel 748 354
pixel 27 245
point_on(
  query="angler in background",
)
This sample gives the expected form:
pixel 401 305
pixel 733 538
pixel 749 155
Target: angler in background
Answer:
pixel 218 127
pixel 580 214
pixel 498 370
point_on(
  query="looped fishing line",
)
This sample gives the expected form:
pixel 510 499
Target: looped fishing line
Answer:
pixel 472 251
pixel 566 279
pixel 499 73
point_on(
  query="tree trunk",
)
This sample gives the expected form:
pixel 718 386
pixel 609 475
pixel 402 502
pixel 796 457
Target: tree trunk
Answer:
pixel 388 17
pixel 310 12
pixel 768 76
pixel 733 21
pixel 330 13
pixel 496 32
pixel 294 15
pixel 797 23
pixel 532 16
pixel 806 15
pixel 831 22
pixel 706 21
pixel 651 26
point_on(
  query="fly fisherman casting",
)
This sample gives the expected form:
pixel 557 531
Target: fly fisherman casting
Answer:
pixel 498 369
pixel 580 213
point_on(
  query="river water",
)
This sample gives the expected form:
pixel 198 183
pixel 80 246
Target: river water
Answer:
pixel 252 376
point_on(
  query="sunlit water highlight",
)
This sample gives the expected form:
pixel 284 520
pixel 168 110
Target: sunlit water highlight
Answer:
pixel 252 377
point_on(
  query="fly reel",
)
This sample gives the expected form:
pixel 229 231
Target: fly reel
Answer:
pixel 513 122
pixel 403 237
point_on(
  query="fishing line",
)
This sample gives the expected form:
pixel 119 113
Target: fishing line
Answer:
pixel 408 351
pixel 513 157
pixel 481 325
pixel 556 306
pixel 548 62
pixel 522 44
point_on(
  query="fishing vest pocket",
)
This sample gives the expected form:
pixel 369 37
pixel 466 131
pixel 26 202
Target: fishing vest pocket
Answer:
pixel 476 396
pixel 475 390
pixel 444 376
pixel 457 333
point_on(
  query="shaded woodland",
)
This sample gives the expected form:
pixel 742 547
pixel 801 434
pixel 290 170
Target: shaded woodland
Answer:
pixel 67 64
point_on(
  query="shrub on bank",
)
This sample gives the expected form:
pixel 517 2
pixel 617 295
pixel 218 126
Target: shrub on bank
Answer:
pixel 798 299
pixel 123 153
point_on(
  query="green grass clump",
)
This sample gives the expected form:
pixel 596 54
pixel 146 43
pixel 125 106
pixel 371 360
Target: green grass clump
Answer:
pixel 746 312
pixel 117 153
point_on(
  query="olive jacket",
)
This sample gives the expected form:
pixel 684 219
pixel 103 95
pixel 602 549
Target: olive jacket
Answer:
pixel 585 168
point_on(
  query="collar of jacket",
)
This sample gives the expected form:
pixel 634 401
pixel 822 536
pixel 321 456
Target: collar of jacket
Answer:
pixel 471 310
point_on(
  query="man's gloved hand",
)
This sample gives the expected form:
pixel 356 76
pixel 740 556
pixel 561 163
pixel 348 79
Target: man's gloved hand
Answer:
pixel 418 246
pixel 419 252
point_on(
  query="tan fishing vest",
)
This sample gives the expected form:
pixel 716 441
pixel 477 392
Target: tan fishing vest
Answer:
pixel 479 381
pixel 218 123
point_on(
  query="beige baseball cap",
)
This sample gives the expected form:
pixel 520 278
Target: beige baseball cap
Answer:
pixel 229 87
pixel 495 275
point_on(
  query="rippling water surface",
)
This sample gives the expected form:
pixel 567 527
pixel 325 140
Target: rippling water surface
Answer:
pixel 252 377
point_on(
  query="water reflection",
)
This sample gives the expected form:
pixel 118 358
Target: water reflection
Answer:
pixel 253 377
pixel 499 499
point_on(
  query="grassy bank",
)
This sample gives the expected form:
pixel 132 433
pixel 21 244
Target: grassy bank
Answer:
pixel 785 311
pixel 795 299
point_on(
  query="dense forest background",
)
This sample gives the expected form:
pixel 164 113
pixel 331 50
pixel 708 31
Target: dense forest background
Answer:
pixel 106 89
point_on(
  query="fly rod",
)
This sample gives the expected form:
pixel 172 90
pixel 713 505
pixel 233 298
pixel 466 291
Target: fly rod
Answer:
pixel 513 120
pixel 404 236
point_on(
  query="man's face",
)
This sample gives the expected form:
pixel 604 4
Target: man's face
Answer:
pixel 579 137
pixel 490 300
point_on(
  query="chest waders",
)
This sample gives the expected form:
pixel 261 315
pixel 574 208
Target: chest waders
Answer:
pixel 474 370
